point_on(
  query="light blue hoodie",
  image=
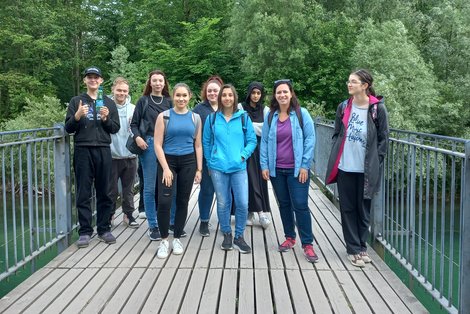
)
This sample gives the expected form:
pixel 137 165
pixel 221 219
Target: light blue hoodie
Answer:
pixel 118 140
pixel 224 143
pixel 303 142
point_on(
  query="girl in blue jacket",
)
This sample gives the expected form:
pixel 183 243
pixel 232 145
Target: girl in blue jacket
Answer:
pixel 228 140
pixel 287 145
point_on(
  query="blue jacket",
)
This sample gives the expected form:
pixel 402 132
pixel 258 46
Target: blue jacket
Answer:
pixel 303 142
pixel 224 142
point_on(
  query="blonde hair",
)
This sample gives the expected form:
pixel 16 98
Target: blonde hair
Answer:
pixel 120 80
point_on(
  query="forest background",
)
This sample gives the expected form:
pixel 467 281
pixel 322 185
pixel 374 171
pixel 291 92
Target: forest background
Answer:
pixel 417 50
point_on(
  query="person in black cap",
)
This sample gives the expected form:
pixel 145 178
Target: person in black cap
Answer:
pixel 92 155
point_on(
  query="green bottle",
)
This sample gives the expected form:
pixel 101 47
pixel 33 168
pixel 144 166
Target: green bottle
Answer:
pixel 99 100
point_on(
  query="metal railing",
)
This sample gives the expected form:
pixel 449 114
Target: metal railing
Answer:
pixel 35 195
pixel 422 213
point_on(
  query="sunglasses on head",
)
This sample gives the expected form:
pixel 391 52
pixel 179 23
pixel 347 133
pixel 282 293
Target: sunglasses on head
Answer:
pixel 283 81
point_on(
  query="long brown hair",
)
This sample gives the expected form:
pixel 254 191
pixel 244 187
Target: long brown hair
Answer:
pixel 166 86
pixel 294 101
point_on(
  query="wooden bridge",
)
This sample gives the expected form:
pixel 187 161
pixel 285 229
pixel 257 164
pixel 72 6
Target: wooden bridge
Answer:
pixel 127 277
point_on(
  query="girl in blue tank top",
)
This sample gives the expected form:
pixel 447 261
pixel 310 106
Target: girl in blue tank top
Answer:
pixel 179 152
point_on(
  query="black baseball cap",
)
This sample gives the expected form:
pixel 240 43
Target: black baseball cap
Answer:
pixel 92 70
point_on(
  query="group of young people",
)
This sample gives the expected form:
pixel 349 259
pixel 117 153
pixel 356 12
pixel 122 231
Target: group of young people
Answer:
pixel 231 149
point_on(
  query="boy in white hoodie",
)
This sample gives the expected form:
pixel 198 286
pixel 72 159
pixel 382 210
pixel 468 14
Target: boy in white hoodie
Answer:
pixel 124 165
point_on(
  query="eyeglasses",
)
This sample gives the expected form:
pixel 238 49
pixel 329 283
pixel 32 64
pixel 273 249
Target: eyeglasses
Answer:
pixel 353 82
pixel 283 81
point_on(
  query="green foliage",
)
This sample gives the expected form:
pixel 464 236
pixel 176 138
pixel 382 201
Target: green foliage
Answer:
pixel 37 114
pixel 199 53
pixel 401 74
pixel 419 51
pixel 120 66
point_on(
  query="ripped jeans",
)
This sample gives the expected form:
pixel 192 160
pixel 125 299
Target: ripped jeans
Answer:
pixel 184 170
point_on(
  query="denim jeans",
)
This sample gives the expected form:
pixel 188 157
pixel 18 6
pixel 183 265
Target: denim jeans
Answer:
pixel 206 194
pixel 292 197
pixel 148 160
pixel 224 183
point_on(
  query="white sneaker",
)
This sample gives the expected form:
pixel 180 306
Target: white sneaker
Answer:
pixel 177 247
pixel 250 219
pixel 142 215
pixel 163 249
pixel 356 260
pixel 264 219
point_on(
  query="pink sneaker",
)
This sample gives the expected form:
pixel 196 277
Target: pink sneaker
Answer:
pixel 288 244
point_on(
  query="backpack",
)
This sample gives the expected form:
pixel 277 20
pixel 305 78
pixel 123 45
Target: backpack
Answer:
pixel 297 112
pixel 372 111
pixel 243 117
pixel 166 120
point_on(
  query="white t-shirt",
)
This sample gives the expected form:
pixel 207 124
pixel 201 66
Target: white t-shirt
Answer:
pixel 354 152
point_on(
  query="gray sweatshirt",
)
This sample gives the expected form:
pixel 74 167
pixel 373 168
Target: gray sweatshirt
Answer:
pixel 118 140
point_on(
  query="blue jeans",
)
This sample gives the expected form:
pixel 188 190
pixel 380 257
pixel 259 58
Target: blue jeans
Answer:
pixel 224 183
pixel 148 160
pixel 292 197
pixel 206 194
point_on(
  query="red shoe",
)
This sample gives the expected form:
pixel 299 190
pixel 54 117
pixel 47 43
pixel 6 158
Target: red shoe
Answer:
pixel 309 253
pixel 288 244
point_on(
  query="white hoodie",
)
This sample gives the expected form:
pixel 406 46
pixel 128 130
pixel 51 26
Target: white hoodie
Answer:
pixel 119 140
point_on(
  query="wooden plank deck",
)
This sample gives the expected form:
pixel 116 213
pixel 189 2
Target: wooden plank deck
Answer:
pixel 127 277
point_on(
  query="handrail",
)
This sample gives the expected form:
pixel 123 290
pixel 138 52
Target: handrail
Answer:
pixel 421 214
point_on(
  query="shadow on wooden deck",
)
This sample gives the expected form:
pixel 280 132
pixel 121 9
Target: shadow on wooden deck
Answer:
pixel 127 277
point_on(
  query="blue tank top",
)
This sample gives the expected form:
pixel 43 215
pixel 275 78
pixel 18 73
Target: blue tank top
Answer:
pixel 178 139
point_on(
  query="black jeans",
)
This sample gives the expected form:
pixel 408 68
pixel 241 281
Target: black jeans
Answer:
pixel 124 169
pixel 355 211
pixel 93 164
pixel 184 170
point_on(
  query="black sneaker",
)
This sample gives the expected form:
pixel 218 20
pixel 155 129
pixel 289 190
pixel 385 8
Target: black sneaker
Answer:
pixel 171 230
pixel 240 244
pixel 154 234
pixel 227 243
pixel 129 220
pixel 107 237
pixel 204 228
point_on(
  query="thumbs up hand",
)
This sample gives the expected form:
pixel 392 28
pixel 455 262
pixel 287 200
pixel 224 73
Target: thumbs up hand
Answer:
pixel 81 111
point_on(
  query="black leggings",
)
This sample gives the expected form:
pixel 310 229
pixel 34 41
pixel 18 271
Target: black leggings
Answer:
pixel 184 170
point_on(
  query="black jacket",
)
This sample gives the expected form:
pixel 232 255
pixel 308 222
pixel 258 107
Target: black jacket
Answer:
pixel 149 117
pixel 90 131
pixel 203 109
pixel 376 147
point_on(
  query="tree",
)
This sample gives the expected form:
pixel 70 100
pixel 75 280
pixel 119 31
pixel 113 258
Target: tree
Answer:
pixel 301 42
pixel 200 53
pixel 120 66
pixel 400 73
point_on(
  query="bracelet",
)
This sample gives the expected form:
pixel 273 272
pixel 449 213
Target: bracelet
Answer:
pixel 198 170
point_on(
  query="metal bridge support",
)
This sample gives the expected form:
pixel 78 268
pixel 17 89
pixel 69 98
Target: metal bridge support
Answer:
pixel 63 197
pixel 465 237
